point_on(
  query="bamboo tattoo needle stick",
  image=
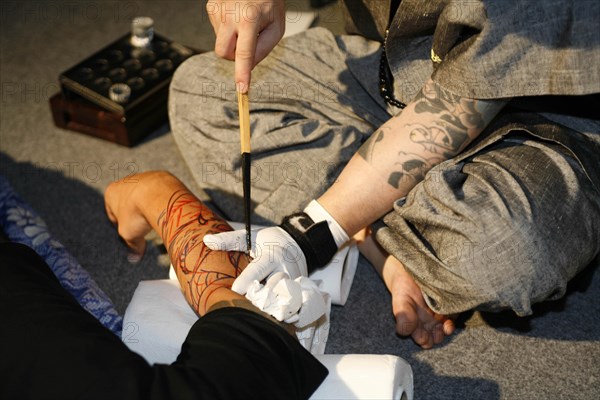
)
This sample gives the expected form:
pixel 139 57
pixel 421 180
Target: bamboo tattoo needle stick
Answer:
pixel 244 114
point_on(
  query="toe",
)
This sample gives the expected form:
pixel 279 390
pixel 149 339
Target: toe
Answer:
pixel 449 327
pixel 407 319
pixel 438 334
pixel 422 338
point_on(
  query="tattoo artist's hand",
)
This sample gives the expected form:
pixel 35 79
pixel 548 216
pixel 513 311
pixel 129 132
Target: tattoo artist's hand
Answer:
pixel 246 32
pixel 273 250
pixel 120 201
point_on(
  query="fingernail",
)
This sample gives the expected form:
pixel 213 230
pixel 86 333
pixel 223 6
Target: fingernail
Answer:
pixel 134 258
pixel 242 87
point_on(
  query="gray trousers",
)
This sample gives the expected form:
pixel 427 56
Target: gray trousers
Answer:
pixel 505 224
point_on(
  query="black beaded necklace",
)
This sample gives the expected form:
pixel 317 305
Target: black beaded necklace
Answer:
pixel 386 79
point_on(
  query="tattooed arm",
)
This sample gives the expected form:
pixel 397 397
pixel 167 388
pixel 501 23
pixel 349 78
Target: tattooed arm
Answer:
pixel 434 127
pixel 159 201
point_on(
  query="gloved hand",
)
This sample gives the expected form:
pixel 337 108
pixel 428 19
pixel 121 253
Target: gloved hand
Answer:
pixel 303 242
pixel 273 250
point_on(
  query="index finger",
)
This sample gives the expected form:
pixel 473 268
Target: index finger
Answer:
pixel 245 53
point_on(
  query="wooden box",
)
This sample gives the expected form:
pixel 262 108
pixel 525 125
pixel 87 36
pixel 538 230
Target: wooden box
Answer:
pixel 85 103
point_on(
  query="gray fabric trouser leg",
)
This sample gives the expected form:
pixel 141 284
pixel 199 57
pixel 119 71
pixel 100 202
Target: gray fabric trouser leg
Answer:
pixel 309 115
pixel 503 226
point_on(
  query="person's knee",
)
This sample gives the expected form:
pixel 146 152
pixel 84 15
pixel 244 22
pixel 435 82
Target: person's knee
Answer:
pixel 494 231
pixel 517 261
pixel 198 83
pixel 514 271
pixel 193 72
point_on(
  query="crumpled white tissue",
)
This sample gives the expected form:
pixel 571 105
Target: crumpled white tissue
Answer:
pixel 301 302
pixel 298 301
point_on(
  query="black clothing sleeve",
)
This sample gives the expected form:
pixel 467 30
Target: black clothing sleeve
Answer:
pixel 53 349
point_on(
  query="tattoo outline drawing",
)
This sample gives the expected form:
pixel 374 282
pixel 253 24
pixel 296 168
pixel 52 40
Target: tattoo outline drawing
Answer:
pixel 183 225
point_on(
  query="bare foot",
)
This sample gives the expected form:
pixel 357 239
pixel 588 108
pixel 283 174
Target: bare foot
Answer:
pixel 413 317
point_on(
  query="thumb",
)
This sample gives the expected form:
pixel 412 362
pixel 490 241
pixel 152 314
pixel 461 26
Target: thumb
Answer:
pixel 255 271
pixel 227 241
pixel 136 245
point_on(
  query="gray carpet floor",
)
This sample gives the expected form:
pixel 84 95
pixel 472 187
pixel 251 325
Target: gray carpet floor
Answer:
pixel 553 354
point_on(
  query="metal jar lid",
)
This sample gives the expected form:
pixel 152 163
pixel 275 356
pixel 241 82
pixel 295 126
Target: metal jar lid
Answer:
pixel 119 92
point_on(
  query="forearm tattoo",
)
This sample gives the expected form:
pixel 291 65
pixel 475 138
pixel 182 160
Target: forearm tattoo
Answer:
pixel 200 270
pixel 451 118
pixel 414 168
pixel 367 150
pixel 442 123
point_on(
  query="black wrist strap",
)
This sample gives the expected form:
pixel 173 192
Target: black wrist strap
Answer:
pixel 315 239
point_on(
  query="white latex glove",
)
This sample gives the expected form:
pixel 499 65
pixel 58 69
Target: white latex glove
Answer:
pixel 273 250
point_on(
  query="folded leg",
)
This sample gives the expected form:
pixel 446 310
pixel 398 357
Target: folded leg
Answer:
pixel 504 226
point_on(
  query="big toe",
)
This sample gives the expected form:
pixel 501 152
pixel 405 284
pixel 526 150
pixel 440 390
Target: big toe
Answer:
pixel 407 319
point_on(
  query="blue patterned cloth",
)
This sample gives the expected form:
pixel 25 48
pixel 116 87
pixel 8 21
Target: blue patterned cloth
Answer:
pixel 23 225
